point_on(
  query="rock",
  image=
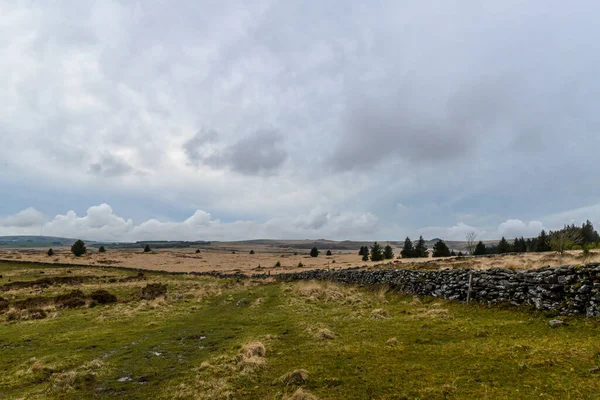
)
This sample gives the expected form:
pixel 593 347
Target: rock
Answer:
pixel 556 323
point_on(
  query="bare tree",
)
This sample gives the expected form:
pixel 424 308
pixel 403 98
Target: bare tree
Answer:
pixel 471 236
pixel 564 240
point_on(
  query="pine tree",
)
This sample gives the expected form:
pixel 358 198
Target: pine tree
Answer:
pixel 503 246
pixel 588 233
pixel 251 251
pixel 452 254
pixel 365 256
pixel 147 249
pixel 314 252
pixel 440 249
pixel 388 252
pixel 408 250
pixel 78 248
pixel 421 248
pixel 480 249
pixel 101 249
pixel 376 252
pixel 542 243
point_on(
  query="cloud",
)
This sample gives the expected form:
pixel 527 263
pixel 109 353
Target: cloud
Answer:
pixel 456 232
pixel 258 153
pixel 101 223
pixel 517 228
pixel 110 166
pixel 27 218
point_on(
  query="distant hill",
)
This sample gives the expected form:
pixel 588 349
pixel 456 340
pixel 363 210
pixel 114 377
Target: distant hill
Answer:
pixel 322 244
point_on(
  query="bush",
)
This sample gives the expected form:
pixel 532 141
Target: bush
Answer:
pixel 328 252
pixel 277 264
pixel 50 252
pixel 251 252
pixel 314 252
pixel 101 249
pixel 300 265
pixel 365 256
pixel 153 290
pixel 197 251
pixel 103 297
pixel 147 249
pixel 78 248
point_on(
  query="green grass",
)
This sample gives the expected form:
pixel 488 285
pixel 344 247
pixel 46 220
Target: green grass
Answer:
pixel 189 347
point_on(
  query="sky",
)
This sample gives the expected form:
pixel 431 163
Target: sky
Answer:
pixel 229 120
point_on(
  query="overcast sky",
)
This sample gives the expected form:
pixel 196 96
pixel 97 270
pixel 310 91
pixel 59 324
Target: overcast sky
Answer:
pixel 216 120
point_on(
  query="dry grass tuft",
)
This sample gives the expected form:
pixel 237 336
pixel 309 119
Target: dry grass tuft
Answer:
pixel 324 334
pixel 255 348
pixel 392 342
pixel 301 394
pixel 297 377
pixel 77 378
pixel 329 292
pixel 379 313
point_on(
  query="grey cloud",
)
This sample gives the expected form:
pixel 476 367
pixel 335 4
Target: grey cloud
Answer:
pixel 260 153
pixel 110 166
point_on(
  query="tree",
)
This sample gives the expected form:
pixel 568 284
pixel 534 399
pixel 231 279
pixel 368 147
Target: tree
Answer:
pixel 197 251
pixel 314 252
pixel 251 251
pixel 408 250
pixel 147 249
pixel 503 246
pixel 519 245
pixel 452 254
pixel 588 233
pixel 363 250
pixel 440 249
pixel 460 254
pixel 470 237
pixel 365 256
pixel 564 240
pixel 480 249
pixel 328 252
pixel 50 252
pixel 101 249
pixel 388 252
pixel 78 248
pixel 421 248
pixel 376 252
pixel 542 243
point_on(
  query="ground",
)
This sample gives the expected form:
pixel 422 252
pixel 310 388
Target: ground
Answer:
pixel 236 258
pixel 253 339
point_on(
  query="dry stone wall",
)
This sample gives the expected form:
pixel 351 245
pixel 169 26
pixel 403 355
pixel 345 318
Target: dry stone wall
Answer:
pixel 568 289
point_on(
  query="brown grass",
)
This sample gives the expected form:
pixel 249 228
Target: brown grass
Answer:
pixel 301 394
pixel 297 377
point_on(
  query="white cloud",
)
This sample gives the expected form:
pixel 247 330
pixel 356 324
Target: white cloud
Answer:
pixel 516 228
pixel 456 232
pixel 27 218
pixel 101 223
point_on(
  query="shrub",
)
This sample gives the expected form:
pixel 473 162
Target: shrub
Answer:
pixel 197 251
pixel 300 265
pixel 147 249
pixel 251 252
pixel 365 256
pixel 278 264
pixel 314 252
pixel 328 252
pixel 153 290
pixel 101 249
pixel 50 252
pixel 78 248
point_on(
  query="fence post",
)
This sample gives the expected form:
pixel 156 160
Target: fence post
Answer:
pixel 470 282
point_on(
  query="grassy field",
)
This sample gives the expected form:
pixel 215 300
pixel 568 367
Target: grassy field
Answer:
pixel 64 338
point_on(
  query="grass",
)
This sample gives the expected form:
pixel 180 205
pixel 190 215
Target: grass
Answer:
pixel 221 339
